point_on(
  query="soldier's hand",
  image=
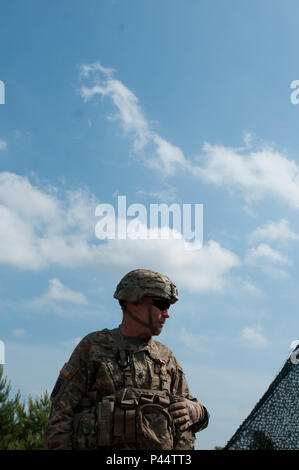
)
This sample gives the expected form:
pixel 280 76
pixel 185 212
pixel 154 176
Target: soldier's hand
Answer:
pixel 185 412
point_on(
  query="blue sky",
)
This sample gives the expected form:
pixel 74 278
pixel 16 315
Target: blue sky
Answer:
pixel 174 102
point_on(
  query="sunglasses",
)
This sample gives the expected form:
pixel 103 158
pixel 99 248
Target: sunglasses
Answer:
pixel 161 304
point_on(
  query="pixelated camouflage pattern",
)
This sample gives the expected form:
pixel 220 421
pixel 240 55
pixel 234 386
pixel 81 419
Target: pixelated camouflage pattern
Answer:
pixel 144 282
pixel 155 430
pixel 96 372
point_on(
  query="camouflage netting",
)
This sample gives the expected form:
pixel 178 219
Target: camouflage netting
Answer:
pixel 273 424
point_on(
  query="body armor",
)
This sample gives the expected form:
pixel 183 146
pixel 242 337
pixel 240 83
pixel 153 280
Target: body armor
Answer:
pixel 115 394
pixel 130 418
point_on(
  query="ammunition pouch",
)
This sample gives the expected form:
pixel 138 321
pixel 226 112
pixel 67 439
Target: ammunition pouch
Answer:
pixel 85 429
pixel 131 418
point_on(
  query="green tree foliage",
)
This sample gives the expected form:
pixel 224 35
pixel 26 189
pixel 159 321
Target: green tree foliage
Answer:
pixel 21 424
pixel 7 412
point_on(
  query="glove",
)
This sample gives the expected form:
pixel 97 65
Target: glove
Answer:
pixel 185 412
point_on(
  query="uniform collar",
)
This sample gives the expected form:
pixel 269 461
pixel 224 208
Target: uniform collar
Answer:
pixel 142 344
pixel 138 344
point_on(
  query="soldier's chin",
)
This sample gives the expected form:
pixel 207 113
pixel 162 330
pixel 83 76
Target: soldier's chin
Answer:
pixel 157 330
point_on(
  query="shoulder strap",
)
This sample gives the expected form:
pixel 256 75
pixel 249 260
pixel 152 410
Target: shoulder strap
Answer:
pixel 119 348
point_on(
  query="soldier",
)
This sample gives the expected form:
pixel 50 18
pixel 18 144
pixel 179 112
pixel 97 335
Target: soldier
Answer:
pixel 120 388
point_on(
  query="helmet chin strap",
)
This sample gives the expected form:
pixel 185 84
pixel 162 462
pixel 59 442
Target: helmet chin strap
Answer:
pixel 148 325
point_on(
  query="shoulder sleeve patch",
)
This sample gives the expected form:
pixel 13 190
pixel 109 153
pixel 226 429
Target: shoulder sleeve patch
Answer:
pixel 66 370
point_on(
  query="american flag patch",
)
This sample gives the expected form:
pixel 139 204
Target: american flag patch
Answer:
pixel 66 370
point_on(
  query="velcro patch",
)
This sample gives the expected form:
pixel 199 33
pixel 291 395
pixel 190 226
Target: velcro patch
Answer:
pixel 66 370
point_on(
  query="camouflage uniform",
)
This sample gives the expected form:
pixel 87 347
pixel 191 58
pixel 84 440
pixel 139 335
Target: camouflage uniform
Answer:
pixel 103 365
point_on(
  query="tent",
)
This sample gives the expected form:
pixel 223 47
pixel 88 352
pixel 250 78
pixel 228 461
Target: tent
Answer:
pixel 273 424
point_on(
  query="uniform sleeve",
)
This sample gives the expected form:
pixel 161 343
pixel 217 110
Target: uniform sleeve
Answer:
pixel 71 385
pixel 180 388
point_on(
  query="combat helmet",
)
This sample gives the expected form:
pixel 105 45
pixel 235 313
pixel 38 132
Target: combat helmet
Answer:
pixel 144 282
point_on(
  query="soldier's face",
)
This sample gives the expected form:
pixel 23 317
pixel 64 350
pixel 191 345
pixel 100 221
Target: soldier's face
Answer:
pixel 142 309
pixel 159 315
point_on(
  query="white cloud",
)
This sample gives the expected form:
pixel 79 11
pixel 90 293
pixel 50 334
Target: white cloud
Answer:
pixel 85 70
pixel 129 112
pixel 167 195
pixel 3 145
pixel 264 253
pixel 247 137
pixel 274 231
pixel 159 154
pixel 249 287
pixel 266 258
pixel 198 271
pixel 169 157
pixel 18 332
pixel 17 241
pixel 58 292
pixel 40 229
pixel 22 198
pixel 257 173
pixel 195 343
pixel 275 273
pixel 252 338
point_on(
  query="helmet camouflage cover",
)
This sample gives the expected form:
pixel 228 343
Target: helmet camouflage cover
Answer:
pixel 144 282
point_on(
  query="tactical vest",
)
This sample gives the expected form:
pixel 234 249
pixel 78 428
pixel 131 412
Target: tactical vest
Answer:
pixel 130 418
